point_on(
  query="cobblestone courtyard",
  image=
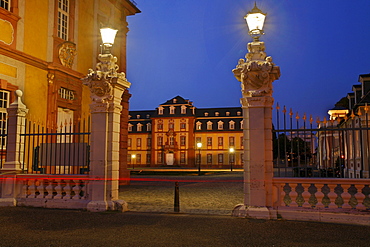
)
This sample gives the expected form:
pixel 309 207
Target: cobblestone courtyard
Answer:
pixel 208 194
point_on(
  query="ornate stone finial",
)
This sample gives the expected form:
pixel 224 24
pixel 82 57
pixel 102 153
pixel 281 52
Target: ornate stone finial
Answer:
pixel 100 81
pixel 257 72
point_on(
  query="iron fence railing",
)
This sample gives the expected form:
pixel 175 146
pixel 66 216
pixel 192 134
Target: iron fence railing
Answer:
pixel 303 147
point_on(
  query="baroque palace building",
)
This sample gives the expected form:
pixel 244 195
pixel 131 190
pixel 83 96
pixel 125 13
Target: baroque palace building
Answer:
pixel 168 136
pixel 47 46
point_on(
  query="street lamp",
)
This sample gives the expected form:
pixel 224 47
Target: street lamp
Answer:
pixel 231 151
pixel 107 35
pixel 133 156
pixel 199 146
pixel 255 20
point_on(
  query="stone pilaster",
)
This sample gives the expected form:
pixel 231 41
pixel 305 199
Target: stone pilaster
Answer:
pixel 256 75
pixel 106 86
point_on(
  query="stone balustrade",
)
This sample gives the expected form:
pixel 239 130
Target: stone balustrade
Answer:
pixel 53 191
pixel 316 193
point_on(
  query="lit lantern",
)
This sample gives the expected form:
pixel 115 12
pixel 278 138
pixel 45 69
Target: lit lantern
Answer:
pixel 255 20
pixel 107 35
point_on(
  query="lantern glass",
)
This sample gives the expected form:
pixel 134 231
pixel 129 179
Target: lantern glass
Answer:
pixel 199 145
pixel 108 35
pixel 255 22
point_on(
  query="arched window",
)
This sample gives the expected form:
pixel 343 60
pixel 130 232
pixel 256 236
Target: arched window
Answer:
pixel 199 125
pixel 220 125
pixel 231 125
pixel 209 125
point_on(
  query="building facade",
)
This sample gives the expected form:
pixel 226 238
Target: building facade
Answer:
pixel 47 46
pixel 169 135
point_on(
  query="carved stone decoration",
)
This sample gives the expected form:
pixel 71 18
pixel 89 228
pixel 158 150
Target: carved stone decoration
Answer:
pixel 67 53
pixel 257 72
pixel 101 81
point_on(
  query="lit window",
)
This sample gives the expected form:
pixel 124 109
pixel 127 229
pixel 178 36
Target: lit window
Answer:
pixel 4 103
pixel 231 125
pixel 129 142
pixel 217 113
pixel 220 158
pixel 183 109
pixel 172 141
pixel 182 140
pixel 148 127
pixel 199 125
pixel 138 142
pixel 63 19
pixel 198 140
pixel 172 110
pixel 227 113
pixel 129 127
pixel 209 125
pixel 238 113
pixel 220 125
pixel 5 4
pixel 209 158
pixel 220 141
pixel 206 114
pixel 139 127
pixel 209 141
pixel 160 126
pixel 231 141
pixel 160 110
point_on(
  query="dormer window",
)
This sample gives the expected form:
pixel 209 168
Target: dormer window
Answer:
pixel 160 110
pixel 138 116
pixel 206 114
pixel 174 101
pixel 231 125
pixel 129 116
pixel 241 124
pixel 139 127
pixel 217 113
pixel 148 127
pixel 147 116
pixel 220 125
pixel 172 110
pixel 227 113
pixel 238 113
pixel 129 127
pixel 199 125
pixel 183 109
pixel 209 125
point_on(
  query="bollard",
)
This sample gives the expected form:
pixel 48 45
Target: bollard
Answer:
pixel 176 204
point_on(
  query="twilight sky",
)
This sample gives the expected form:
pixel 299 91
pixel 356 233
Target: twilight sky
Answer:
pixel 189 48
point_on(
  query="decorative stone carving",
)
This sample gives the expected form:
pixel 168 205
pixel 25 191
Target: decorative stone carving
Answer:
pixel 257 72
pixel 100 81
pixel 67 53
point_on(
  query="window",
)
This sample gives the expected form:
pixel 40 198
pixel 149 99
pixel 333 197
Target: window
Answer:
pixel 182 140
pixel 199 125
pixel 182 158
pixel 182 125
pixel 172 110
pixel 148 158
pixel 129 142
pixel 206 114
pixel 238 113
pixel 5 4
pixel 172 141
pixel 241 124
pixel 231 141
pixel 63 19
pixel 160 158
pixel 160 140
pixel 198 139
pixel 138 159
pixel 139 127
pixel 232 158
pixel 129 127
pixel 148 127
pixel 148 142
pixel 4 103
pixel 209 125
pixel 231 125
pixel 209 158
pixel 183 109
pixel 220 158
pixel 217 114
pixel 160 126
pixel 220 125
pixel 171 126
pixel 220 141
pixel 227 113
pixel 160 110
pixel 138 142
pixel 129 158
pixel 209 141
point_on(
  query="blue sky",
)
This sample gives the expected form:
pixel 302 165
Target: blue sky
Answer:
pixel 189 48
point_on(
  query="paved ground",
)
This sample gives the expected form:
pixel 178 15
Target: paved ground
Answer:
pixel 209 194
pixel 48 227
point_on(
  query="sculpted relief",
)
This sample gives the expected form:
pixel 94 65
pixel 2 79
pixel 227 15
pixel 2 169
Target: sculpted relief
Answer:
pixel 257 72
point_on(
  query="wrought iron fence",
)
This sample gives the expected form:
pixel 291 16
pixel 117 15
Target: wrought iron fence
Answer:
pixel 304 147
pixel 54 149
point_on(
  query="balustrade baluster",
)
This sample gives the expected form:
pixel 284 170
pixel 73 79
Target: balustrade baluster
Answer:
pixel 306 196
pixel 360 197
pixel 68 189
pixel 319 196
pixel 25 189
pixel 32 188
pixel 332 196
pixel 76 189
pixel 41 189
pixel 346 196
pixel 293 195
pixel 58 189
pixel 49 189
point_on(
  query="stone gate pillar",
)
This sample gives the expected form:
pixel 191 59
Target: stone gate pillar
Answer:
pixel 106 87
pixel 256 74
